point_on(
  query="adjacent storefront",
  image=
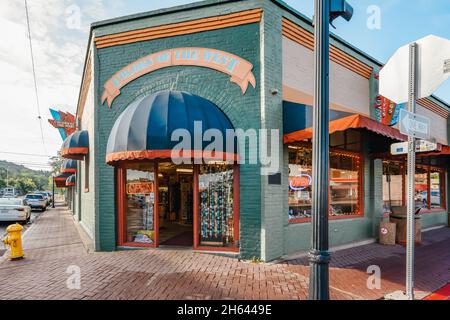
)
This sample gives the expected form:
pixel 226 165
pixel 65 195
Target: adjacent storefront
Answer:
pixel 153 79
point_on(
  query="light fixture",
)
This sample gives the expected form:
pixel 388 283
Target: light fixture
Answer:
pixel 185 170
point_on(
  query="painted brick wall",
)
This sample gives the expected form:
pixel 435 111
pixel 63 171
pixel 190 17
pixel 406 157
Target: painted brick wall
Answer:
pixel 87 192
pixel 272 118
pixel 242 110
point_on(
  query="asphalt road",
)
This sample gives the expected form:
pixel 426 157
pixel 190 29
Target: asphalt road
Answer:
pixel 4 225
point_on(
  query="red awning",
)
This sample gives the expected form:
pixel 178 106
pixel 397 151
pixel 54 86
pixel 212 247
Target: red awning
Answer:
pixel 352 122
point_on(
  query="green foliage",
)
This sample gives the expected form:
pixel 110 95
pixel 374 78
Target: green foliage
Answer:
pixel 24 179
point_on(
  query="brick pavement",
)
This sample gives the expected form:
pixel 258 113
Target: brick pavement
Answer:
pixel 53 244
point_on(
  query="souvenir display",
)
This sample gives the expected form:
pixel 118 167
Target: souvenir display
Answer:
pixel 216 205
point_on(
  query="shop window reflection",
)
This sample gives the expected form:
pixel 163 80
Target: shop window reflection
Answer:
pixel 436 189
pixel 216 207
pixel 392 185
pixel 140 200
pixel 421 187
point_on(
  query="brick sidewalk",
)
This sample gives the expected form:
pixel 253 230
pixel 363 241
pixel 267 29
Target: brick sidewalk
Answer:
pixel 53 244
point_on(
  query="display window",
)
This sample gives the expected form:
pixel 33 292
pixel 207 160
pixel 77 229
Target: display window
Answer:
pixel 437 190
pixel 393 185
pixel 138 222
pixel 163 204
pixel 429 190
pixel 216 206
pixel 345 183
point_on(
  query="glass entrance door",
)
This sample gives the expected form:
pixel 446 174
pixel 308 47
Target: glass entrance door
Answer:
pixel 175 205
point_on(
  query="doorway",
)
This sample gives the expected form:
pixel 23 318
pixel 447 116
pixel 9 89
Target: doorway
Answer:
pixel 175 205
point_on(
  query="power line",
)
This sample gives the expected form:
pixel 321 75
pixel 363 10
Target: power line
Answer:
pixel 34 78
pixel 30 164
pixel 24 154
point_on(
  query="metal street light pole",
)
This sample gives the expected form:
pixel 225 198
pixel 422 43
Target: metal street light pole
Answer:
pixel 53 191
pixel 319 256
pixel 325 12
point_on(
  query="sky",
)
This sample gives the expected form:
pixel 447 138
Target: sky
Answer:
pixel 60 29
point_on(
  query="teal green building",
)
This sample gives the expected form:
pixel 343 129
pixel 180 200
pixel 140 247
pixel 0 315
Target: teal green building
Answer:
pixel 245 67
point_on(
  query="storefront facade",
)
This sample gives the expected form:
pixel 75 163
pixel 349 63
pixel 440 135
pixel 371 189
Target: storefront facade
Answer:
pixel 150 74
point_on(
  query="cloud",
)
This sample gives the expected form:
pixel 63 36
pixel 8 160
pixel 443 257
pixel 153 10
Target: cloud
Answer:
pixel 59 53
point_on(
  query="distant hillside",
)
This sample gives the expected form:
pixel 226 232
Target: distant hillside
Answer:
pixel 16 169
pixel 23 178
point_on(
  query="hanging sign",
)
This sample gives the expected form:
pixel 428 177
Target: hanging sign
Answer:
pixel 239 69
pixel 388 111
pixel 64 122
pixel 140 188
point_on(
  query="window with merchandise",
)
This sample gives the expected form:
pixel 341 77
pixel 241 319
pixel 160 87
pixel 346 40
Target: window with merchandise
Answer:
pixel 346 178
pixel 161 204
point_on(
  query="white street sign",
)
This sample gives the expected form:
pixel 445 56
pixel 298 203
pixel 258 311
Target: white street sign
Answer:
pixel 412 124
pixel 399 148
pixel 432 70
pixel 421 146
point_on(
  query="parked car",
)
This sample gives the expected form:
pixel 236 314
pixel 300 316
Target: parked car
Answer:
pixel 50 196
pixel 46 196
pixel 36 201
pixel 422 197
pixel 14 210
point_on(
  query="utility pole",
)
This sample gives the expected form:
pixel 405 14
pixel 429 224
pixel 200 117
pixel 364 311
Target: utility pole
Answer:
pixel 7 176
pixel 325 12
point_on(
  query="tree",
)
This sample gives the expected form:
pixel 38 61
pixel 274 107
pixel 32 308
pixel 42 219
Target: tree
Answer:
pixel 56 163
pixel 24 184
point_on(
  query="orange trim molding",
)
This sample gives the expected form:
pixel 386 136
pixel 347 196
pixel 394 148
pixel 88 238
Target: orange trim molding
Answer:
pixel 166 154
pixel 434 107
pixel 68 170
pixel 297 34
pixel 182 28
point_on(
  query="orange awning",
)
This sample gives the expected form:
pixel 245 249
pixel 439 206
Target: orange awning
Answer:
pixel 356 121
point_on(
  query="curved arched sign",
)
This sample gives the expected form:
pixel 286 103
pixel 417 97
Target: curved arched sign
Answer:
pixel 239 69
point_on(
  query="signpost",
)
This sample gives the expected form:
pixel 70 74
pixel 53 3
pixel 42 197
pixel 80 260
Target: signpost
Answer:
pixel 414 72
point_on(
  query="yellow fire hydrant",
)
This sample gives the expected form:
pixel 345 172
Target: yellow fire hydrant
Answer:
pixel 14 240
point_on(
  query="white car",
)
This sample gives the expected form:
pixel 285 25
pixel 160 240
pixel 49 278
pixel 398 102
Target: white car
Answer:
pixel 14 210
pixel 36 201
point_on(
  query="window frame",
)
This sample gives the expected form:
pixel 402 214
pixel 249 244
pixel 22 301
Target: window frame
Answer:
pixel 121 171
pixel 361 205
pixel 442 185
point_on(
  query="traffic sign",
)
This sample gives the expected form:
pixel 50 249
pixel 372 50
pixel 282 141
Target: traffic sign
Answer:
pixel 414 125
pixel 433 68
pixel 421 146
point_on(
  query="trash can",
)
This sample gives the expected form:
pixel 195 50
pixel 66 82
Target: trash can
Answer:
pixel 399 217
pixel 387 233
